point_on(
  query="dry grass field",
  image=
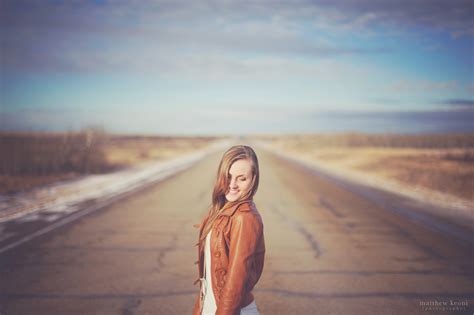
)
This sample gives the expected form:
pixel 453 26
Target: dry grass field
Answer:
pixel 442 163
pixel 124 151
pixel 29 160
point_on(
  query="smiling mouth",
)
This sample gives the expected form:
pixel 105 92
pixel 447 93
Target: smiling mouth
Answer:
pixel 233 192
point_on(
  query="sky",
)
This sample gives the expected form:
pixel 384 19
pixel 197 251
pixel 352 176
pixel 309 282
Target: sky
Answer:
pixel 237 67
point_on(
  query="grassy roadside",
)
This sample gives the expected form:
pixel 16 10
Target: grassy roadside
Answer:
pixel 29 160
pixel 442 163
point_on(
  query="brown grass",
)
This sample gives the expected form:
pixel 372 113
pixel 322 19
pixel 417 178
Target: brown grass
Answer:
pixel 28 160
pixel 123 151
pixel 46 154
pixel 442 163
pixel 351 140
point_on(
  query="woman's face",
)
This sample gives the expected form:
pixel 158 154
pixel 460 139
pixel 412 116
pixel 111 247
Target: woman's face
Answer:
pixel 240 179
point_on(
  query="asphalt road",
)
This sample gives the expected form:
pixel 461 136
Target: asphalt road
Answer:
pixel 330 250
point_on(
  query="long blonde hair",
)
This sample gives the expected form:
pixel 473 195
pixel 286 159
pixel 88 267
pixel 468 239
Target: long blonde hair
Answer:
pixel 221 186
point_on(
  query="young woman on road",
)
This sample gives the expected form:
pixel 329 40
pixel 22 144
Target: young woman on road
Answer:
pixel 231 246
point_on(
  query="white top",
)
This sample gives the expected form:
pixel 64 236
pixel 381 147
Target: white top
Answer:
pixel 209 304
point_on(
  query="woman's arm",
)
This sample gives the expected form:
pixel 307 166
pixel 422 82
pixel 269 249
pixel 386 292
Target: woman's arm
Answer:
pixel 245 234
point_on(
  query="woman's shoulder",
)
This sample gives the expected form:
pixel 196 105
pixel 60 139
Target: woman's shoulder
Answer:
pixel 249 206
pixel 247 211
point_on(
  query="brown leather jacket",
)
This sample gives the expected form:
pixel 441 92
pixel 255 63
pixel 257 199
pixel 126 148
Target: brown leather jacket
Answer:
pixel 237 258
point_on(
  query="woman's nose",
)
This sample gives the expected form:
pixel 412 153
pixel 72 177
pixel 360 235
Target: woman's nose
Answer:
pixel 233 183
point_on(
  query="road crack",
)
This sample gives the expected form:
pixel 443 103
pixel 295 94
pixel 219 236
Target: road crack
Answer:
pixel 298 227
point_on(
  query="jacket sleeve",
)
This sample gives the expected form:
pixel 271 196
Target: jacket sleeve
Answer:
pixel 245 233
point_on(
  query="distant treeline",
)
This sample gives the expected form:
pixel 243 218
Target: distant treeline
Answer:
pixel 50 153
pixel 378 140
pixel 58 153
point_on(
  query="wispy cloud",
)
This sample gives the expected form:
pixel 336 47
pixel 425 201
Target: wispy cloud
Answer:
pixel 458 104
pixel 242 120
pixel 422 85
pixel 454 17
pixel 470 87
pixel 131 36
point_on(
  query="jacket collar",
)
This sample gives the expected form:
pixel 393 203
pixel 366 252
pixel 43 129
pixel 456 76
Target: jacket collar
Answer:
pixel 242 206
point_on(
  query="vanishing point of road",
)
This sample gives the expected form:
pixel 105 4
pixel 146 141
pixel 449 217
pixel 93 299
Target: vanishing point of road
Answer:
pixel 329 251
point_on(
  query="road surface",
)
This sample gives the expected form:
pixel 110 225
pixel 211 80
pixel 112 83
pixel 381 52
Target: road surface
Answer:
pixel 329 251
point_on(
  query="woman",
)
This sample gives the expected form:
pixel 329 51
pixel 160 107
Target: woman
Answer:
pixel 231 246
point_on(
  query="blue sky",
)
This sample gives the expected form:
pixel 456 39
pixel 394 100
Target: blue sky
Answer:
pixel 238 67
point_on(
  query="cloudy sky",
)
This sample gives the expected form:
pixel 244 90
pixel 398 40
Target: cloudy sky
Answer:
pixel 206 67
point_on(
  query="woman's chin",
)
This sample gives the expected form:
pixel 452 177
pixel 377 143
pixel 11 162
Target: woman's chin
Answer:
pixel 232 197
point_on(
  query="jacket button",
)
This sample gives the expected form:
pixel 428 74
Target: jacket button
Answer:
pixel 217 254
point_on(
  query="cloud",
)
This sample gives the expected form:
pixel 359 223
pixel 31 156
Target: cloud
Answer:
pixel 213 120
pixel 396 121
pixel 383 101
pixel 156 36
pixel 453 17
pixel 421 85
pixel 203 120
pixel 470 87
pixel 458 104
